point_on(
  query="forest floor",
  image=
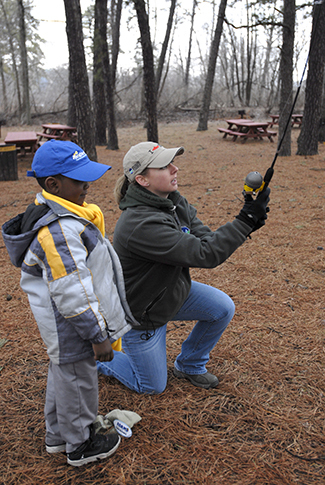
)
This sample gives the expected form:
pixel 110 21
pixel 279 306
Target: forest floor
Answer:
pixel 264 424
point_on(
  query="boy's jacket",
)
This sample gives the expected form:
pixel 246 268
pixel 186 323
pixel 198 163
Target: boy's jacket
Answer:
pixel 72 277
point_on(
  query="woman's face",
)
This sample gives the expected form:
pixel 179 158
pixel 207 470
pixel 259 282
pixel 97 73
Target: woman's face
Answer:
pixel 161 181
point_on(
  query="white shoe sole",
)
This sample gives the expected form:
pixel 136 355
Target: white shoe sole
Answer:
pixel 55 449
pixel 90 459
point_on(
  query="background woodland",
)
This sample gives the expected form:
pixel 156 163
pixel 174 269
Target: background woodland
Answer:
pixel 249 56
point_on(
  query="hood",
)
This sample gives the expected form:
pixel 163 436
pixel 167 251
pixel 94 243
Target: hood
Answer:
pixel 19 232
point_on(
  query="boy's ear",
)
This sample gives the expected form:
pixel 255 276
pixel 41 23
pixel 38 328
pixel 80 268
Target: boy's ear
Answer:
pixel 52 185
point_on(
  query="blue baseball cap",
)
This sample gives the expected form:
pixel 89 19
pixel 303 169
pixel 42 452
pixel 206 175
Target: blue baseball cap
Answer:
pixel 57 157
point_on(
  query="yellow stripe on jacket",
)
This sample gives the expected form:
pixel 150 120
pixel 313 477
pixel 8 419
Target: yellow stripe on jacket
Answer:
pixel 53 258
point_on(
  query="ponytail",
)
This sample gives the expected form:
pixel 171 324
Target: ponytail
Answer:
pixel 121 188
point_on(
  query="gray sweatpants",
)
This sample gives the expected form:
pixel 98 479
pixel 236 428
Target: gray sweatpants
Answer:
pixel 71 403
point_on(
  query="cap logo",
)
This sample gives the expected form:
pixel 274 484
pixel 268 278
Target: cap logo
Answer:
pixel 78 155
pixel 154 148
pixel 134 167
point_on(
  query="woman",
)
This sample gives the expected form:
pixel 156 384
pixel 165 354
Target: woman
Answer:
pixel 158 238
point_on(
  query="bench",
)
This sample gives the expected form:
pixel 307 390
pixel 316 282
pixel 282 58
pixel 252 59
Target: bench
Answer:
pixel 49 137
pixel 231 133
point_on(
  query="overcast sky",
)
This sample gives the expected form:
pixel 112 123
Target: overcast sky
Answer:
pixel 52 30
pixel 51 15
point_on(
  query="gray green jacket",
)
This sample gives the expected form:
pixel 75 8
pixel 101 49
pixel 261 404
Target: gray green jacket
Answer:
pixel 157 241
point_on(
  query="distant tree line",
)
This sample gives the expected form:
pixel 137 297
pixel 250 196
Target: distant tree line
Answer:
pixel 248 63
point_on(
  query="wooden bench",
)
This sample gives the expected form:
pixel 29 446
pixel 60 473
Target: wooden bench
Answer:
pixel 49 137
pixel 231 133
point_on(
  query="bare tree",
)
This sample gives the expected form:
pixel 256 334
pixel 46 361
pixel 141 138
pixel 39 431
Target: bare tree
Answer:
pixel 79 78
pixel 4 89
pixel 12 54
pixel 112 142
pixel 189 53
pixel 148 71
pixel 266 66
pixel 115 21
pixel 204 111
pixel 25 115
pixel 162 56
pixel 308 138
pixel 98 73
pixel 286 71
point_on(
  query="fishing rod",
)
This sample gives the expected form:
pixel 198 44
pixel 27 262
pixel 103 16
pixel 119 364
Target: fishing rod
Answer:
pixel 254 182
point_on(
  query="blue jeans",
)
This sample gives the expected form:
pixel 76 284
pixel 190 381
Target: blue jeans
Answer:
pixel 143 365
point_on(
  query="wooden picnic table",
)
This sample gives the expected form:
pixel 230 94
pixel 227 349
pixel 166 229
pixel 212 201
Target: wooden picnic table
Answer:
pixel 296 119
pixel 56 131
pixel 23 140
pixel 244 129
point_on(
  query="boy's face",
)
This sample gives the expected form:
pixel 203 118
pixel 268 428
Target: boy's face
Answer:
pixel 66 188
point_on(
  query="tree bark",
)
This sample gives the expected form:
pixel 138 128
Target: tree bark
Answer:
pixel 188 60
pixel 72 114
pixel 25 114
pixel 286 72
pixel 98 76
pixel 79 78
pixel 116 12
pixel 112 143
pixel 308 138
pixel 148 71
pixel 321 134
pixel 204 112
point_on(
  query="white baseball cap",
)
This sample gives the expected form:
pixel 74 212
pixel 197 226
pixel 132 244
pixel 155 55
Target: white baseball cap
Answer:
pixel 148 154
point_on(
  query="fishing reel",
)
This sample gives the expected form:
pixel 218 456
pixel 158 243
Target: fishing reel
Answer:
pixel 254 183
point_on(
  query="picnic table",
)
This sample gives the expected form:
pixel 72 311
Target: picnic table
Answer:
pixel 24 140
pixel 56 131
pixel 296 119
pixel 244 129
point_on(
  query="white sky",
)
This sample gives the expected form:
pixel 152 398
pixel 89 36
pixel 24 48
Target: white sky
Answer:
pixel 52 29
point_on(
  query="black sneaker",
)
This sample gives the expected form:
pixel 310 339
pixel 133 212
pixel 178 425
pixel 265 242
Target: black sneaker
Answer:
pixel 97 447
pixel 207 380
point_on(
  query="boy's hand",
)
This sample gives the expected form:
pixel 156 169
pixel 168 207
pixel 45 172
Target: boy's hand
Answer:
pixel 103 351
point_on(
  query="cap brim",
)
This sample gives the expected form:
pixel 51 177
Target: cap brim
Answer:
pixel 166 157
pixel 89 172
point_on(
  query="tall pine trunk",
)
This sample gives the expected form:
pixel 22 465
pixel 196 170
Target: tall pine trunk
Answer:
pixel 98 75
pixel 286 70
pixel 25 115
pixel 308 138
pixel 148 71
pixel 204 112
pixel 79 78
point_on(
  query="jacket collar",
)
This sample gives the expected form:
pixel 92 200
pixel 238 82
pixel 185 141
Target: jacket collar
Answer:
pixel 137 195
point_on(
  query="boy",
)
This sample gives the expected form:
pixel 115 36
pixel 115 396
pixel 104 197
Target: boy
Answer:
pixel 75 288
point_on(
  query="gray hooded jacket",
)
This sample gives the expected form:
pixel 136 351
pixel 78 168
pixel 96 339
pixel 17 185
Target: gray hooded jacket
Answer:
pixel 72 277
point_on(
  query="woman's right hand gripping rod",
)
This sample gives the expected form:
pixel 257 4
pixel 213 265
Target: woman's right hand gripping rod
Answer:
pixel 254 211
